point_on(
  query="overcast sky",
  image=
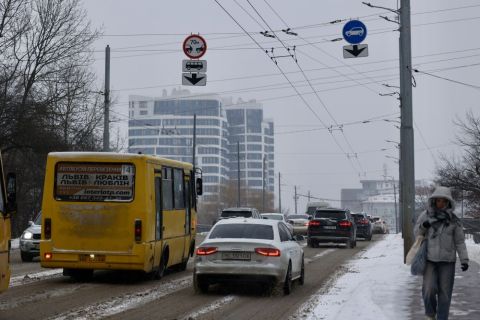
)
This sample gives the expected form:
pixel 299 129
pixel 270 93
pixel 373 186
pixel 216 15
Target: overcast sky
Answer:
pixel 146 38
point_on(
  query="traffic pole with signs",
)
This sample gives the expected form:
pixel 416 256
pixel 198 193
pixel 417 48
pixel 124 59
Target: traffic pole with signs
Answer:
pixel 193 70
pixel 354 32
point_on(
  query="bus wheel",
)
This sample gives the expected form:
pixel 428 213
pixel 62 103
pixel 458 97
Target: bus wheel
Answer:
pixel 161 267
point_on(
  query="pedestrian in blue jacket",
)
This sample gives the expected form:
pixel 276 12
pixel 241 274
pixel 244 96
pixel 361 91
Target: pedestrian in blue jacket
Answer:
pixel 444 232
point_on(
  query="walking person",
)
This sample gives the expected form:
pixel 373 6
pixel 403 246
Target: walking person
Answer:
pixel 444 232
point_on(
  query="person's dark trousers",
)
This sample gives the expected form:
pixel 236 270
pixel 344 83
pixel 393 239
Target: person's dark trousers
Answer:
pixel 437 288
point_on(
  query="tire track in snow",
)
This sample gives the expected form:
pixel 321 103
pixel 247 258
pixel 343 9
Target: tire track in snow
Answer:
pixel 318 255
pixel 33 277
pixel 125 302
pixel 217 304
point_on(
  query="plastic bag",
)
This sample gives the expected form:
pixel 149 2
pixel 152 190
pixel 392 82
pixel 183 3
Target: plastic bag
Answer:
pixel 413 250
pixel 419 262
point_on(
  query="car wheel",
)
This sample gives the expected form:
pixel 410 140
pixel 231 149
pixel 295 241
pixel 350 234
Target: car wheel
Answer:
pixel 26 257
pixel 199 285
pixel 302 273
pixel 287 286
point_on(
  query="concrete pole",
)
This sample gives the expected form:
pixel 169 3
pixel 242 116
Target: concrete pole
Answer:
pixel 279 195
pixel 238 174
pixel 296 198
pixel 395 202
pixel 407 161
pixel 263 182
pixel 106 110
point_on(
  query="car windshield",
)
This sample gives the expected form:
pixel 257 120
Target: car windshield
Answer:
pixel 231 214
pixel 298 216
pixel 336 215
pixel 38 219
pixel 242 231
pixel 272 216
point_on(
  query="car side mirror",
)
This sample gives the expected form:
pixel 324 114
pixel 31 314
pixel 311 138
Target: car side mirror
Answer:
pixel 199 186
pixel 298 237
pixel 11 192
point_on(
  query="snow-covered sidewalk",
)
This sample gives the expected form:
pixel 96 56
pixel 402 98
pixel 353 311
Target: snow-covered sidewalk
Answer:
pixel 375 284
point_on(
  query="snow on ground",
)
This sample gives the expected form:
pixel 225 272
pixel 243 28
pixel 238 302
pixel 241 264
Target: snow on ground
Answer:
pixel 375 284
pixel 473 250
pixel 15 243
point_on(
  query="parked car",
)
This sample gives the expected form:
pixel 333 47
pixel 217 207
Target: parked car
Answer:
pixel 332 225
pixel 249 250
pixel 299 223
pixel 30 240
pixel 364 225
pixel 239 212
pixel 279 217
pixel 379 226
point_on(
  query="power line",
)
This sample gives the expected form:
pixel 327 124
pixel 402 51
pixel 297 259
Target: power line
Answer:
pixel 447 79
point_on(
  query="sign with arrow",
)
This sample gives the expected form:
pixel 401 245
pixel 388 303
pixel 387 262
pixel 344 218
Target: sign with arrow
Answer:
pixel 194 79
pixel 355 51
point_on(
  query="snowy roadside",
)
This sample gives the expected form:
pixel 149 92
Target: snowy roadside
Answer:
pixel 15 243
pixel 473 250
pixel 374 284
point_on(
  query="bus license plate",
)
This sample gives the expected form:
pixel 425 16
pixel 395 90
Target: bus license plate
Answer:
pixel 236 256
pixel 92 258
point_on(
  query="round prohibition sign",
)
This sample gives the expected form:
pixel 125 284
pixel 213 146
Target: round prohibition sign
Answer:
pixel 194 46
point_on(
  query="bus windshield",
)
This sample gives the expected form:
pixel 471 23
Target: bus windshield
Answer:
pixel 82 181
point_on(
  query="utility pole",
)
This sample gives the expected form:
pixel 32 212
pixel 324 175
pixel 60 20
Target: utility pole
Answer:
pixel 238 174
pixel 263 182
pixel 279 195
pixel 296 198
pixel 395 203
pixel 106 110
pixel 407 163
pixel 194 140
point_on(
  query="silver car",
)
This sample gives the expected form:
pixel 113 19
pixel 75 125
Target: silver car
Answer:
pixel 299 222
pixel 249 250
pixel 30 240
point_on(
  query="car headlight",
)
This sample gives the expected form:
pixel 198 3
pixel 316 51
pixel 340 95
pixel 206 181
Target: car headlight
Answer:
pixel 27 235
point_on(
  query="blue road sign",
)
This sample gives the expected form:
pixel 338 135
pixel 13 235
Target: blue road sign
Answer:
pixel 354 32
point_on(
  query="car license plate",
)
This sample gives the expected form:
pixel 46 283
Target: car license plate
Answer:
pixel 92 258
pixel 236 255
pixel 329 227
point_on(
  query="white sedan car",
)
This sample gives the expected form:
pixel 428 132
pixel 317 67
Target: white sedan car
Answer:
pixel 278 216
pixel 249 250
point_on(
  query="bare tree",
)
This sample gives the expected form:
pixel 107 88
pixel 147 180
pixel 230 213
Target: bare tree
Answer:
pixel 462 172
pixel 48 101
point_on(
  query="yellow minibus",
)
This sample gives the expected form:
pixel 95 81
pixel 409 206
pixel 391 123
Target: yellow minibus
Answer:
pixel 7 207
pixel 105 210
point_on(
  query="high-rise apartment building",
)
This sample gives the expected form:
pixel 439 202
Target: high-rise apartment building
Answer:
pixel 254 135
pixel 164 126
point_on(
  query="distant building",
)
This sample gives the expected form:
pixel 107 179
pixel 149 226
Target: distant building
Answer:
pixel 164 126
pixel 255 136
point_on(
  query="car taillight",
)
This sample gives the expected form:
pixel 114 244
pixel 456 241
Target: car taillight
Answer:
pixel 47 228
pixel 345 224
pixel 268 252
pixel 314 223
pixel 138 230
pixel 364 221
pixel 205 251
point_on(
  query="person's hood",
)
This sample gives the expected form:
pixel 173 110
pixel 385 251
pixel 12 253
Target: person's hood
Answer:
pixel 441 192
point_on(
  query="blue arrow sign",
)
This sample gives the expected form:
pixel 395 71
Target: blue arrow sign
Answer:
pixel 354 32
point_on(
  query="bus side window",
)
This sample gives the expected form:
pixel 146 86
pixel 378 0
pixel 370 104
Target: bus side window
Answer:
pixel 158 209
pixel 179 194
pixel 167 188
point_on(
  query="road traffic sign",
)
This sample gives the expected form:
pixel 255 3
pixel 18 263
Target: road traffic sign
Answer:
pixel 355 51
pixel 354 31
pixel 194 79
pixel 194 46
pixel 194 65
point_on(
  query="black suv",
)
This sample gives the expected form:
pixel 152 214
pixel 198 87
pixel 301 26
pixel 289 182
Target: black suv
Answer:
pixel 364 225
pixel 332 225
